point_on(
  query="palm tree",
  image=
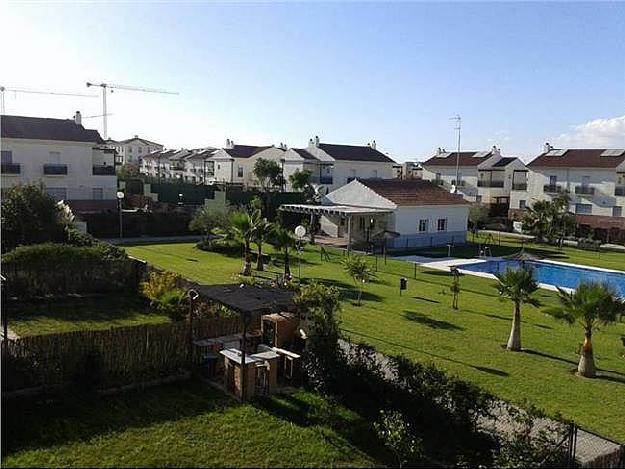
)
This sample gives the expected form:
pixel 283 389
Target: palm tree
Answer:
pixel 242 226
pixel 282 240
pixel 262 230
pixel 518 286
pixel 359 270
pixel 590 305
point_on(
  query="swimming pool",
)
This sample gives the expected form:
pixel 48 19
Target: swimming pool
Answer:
pixel 553 274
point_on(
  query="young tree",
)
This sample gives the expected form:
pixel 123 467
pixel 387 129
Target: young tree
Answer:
pixel 282 239
pixel 517 286
pixel 550 220
pixel 30 216
pixel 268 173
pixel 590 305
pixel 397 435
pixel 207 220
pixel 262 231
pixel 243 226
pixel 360 272
pixel 455 287
pixel 478 214
pixel 300 179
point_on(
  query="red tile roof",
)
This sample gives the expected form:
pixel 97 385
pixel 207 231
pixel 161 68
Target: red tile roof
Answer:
pixel 577 158
pixel 412 192
pixel 467 158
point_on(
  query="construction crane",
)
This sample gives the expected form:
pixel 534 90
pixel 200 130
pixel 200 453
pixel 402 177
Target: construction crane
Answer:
pixel 26 90
pixel 110 86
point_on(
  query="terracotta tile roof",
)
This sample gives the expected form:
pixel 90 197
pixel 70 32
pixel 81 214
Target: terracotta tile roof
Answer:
pixel 354 153
pixel 577 158
pixel 467 158
pixel 304 153
pixel 40 128
pixel 412 192
pixel 244 151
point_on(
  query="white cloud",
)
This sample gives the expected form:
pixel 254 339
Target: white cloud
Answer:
pixel 598 133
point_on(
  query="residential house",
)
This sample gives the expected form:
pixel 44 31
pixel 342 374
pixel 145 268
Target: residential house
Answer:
pixel 483 176
pixel 593 178
pixel 133 150
pixel 414 213
pixel 71 163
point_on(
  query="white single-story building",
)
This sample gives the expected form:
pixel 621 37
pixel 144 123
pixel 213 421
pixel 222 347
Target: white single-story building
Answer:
pixel 416 212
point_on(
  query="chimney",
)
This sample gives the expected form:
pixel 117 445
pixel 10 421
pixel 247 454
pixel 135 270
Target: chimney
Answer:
pixel 78 118
pixel 439 150
pixel 310 142
pixel 496 151
pixel 229 143
pixel 316 140
pixel 373 145
pixel 136 136
pixel 547 147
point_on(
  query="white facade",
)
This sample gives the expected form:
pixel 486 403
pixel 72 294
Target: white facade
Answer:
pixel 133 149
pixel 71 171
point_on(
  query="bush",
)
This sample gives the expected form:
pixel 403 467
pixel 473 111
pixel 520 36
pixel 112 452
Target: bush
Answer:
pixel 222 246
pixel 158 284
pixel 173 303
pixel 76 238
pixel 164 296
pixel 53 253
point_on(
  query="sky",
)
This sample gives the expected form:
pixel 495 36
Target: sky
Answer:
pixel 519 74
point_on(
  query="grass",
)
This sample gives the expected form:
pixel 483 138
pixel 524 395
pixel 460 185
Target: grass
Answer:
pixel 421 325
pixel 502 245
pixel 185 425
pixel 78 314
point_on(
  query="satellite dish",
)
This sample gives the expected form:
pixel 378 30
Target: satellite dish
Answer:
pixel 210 181
pixel 300 231
pixel 321 190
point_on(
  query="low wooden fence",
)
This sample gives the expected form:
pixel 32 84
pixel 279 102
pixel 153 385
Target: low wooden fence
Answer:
pixel 114 358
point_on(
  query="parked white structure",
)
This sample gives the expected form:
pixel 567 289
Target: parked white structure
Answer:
pixel 484 176
pixel 71 162
pixel 415 213
pixel 593 178
pixel 133 150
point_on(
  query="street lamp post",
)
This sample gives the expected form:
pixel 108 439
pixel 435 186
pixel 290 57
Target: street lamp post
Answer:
pixel 120 197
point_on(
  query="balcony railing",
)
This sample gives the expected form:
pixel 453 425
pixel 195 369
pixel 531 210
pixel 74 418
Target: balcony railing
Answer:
pixel 460 183
pixel 519 186
pixel 326 180
pixel 552 188
pixel 619 190
pixel 54 169
pixel 11 168
pixel 585 190
pixel 104 170
pixel 438 182
pixel 489 183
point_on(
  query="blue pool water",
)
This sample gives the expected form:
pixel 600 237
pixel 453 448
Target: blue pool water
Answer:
pixel 554 274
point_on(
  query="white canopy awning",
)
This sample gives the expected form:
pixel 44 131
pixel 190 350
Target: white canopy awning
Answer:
pixel 333 209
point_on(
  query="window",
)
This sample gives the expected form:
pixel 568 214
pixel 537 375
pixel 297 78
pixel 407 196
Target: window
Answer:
pixel 553 180
pixel 7 156
pixel 438 176
pixel 617 211
pixel 423 226
pixel 59 193
pixel 585 181
pixel 98 193
pixel 55 157
pixel 218 166
pixel 583 209
pixel 361 223
pixel 374 174
pixel 522 204
pixel 129 149
pixel 442 224
pixel 240 171
pixel 140 149
pixel 478 199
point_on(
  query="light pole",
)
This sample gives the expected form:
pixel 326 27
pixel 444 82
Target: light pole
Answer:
pixel 120 197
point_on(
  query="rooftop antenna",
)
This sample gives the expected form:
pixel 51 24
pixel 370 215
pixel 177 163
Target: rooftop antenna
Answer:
pixel 458 127
pixel 30 91
pixel 112 87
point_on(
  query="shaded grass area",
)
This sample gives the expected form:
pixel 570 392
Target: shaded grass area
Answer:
pixel 501 245
pixel 468 342
pixel 185 425
pixel 79 313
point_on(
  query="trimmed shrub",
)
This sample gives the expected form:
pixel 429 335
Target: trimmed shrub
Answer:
pixel 76 238
pixel 54 253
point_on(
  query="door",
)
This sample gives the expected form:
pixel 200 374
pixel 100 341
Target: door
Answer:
pixel 269 332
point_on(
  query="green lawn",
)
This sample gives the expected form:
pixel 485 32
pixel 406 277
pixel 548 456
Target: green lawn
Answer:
pixel 73 314
pixel 185 425
pixel 422 325
pixel 502 245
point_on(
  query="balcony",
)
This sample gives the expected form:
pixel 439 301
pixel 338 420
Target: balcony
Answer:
pixel 177 167
pixel 326 180
pixel 11 168
pixel 438 182
pixel 460 183
pixel 489 183
pixel 619 190
pixel 552 189
pixel 54 169
pixel 519 186
pixel 104 170
pixel 584 190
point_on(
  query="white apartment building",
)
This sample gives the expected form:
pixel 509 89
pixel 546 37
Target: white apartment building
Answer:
pixel 483 176
pixel 133 150
pixel 70 162
pixel 593 178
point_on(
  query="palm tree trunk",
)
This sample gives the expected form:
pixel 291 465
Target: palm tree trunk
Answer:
pixel 586 365
pixel 247 264
pixel 259 260
pixel 287 269
pixel 514 342
pixel 359 294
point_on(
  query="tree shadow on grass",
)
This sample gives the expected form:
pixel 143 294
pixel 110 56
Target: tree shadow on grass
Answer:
pixel 431 322
pixel 575 362
pixel 426 299
pixel 350 289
